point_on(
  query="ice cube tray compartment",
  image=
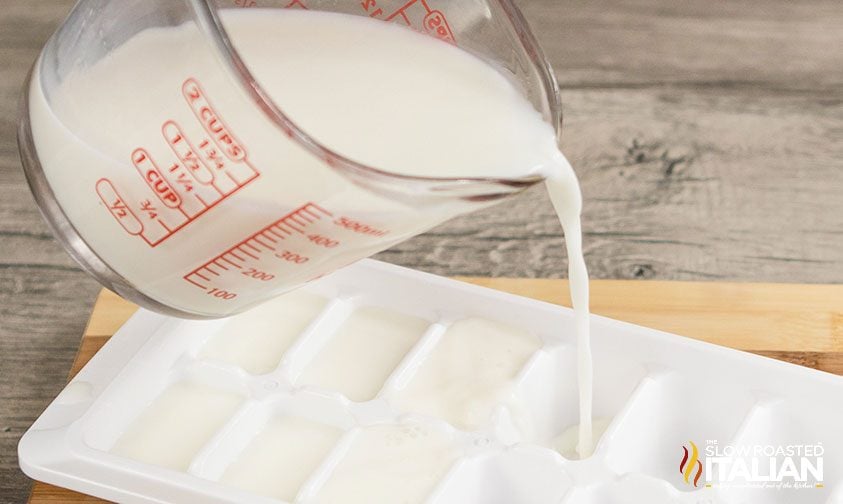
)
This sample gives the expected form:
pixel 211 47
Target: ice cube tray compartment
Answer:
pixel 665 416
pixel 782 422
pixel 348 366
pixel 505 476
pixel 273 327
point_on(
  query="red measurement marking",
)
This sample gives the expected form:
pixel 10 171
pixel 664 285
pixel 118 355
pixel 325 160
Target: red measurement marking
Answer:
pixel 194 282
pixel 416 14
pixel 296 4
pixel 294 228
pixel 275 234
pixel 435 24
pixel 211 121
pixel 155 179
pixel 243 249
pixel 371 6
pixel 182 148
pixel 359 227
pixel 170 231
pixel 286 231
pixel 200 178
pixel 118 208
pixel 266 237
pixel 231 262
pixel 257 243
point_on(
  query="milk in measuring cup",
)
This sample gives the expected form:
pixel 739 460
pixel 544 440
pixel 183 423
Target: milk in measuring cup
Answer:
pixel 375 92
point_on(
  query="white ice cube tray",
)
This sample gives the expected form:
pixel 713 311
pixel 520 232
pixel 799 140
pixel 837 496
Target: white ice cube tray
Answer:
pixel 660 391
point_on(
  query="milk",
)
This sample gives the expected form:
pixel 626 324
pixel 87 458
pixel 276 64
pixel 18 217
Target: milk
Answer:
pixel 390 464
pixel 347 81
pixel 256 340
pixel 172 430
pixel 469 372
pixel 374 92
pixel 567 443
pixel 359 358
pixel 279 460
pixel 564 191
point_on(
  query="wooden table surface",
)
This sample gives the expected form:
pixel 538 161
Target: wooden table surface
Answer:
pixel 708 137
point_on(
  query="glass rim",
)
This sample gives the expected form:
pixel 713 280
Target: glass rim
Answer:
pixel 210 23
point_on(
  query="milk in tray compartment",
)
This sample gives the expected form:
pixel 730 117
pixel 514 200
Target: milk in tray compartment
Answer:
pixel 172 430
pixel 257 339
pixel 357 360
pixel 280 459
pixel 469 372
pixel 390 463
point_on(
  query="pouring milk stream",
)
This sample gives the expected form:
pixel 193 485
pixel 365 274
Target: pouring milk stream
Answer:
pixel 377 93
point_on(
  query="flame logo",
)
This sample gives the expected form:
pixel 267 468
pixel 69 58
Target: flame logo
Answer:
pixel 691 461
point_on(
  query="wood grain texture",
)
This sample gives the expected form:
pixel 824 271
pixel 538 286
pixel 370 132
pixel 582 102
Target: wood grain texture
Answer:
pixel 702 132
pixel 786 322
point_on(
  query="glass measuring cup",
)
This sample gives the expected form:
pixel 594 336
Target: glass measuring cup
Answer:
pixel 195 207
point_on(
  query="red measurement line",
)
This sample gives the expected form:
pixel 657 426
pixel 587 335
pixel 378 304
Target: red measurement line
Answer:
pixel 209 270
pixel 171 232
pixel 200 275
pixel 264 233
pixel 307 208
pixel 310 213
pixel 217 262
pixel 231 262
pixel 267 236
pixel 267 245
pixel 401 11
pixel 276 233
pixel 253 256
pixel 187 277
pixel 298 219
pixel 278 226
pixel 215 186
pixel 294 228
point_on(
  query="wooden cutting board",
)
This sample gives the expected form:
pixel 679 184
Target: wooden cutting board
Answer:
pixel 802 324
